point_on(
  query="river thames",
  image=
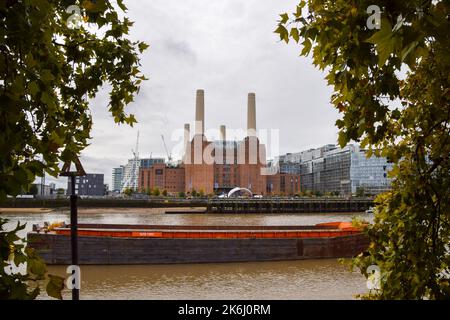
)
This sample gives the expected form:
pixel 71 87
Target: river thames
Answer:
pixel 304 279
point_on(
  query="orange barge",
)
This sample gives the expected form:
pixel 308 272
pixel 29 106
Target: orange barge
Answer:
pixel 152 244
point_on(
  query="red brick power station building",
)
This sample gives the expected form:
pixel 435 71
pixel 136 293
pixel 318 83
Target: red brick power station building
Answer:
pixel 219 166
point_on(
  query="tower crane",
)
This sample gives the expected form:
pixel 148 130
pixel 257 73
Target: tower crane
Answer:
pixel 169 155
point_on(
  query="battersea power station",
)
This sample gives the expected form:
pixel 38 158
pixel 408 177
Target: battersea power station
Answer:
pixel 216 167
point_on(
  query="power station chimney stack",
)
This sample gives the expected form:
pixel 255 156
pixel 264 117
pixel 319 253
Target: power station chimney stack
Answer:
pixel 223 133
pixel 251 115
pixel 187 134
pixel 200 113
pixel 187 139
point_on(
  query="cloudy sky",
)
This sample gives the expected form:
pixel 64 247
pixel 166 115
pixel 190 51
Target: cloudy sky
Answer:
pixel 227 48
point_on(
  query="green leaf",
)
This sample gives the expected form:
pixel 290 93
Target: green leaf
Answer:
pixel 121 5
pixel 47 76
pixel 300 6
pixel 56 138
pixel 284 35
pixel 306 47
pixel 33 88
pixel 142 46
pixel 29 60
pixel 55 286
pixel 384 41
pixel 284 18
pixel 408 50
pixel 342 139
pixel 396 114
pixel 295 34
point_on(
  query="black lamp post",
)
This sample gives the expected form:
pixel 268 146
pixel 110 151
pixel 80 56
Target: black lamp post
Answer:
pixel 65 172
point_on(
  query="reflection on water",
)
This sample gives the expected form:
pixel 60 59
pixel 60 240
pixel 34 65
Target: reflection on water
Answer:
pixel 308 279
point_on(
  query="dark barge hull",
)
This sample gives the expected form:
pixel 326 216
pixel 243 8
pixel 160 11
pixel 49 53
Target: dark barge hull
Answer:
pixel 100 250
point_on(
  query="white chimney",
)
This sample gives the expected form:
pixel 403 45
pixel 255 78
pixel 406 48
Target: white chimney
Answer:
pixel 187 133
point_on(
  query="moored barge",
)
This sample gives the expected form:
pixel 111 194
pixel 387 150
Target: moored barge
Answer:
pixel 167 244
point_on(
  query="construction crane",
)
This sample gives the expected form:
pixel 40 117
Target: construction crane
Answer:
pixel 169 155
pixel 131 177
pixel 136 150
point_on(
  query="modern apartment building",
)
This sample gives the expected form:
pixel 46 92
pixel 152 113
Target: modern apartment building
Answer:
pixel 340 171
pixel 117 179
pixel 92 184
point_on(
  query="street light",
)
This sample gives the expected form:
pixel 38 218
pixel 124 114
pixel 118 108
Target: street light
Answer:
pixel 65 172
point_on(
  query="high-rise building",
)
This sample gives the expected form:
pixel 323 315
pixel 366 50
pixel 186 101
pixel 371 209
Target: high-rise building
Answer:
pixel 130 174
pixel 117 178
pixel 337 170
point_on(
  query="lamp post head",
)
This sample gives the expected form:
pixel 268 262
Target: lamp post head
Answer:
pixel 65 170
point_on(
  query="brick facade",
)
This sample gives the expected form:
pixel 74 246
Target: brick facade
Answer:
pixel 219 166
pixel 162 177
pixel 216 167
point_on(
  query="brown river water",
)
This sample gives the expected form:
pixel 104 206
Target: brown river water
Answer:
pixel 307 279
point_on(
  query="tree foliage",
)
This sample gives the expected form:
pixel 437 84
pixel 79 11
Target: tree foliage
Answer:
pixel 49 72
pixel 360 192
pixel 156 192
pixel 391 86
pixel 128 191
pixel 33 190
pixel 27 285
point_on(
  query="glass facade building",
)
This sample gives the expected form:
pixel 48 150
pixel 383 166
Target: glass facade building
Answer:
pixel 149 162
pixel 117 178
pixel 330 169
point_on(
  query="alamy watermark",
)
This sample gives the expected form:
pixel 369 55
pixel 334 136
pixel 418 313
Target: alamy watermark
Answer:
pixel 373 277
pixel 374 20
pixel 74 280
pixel 75 20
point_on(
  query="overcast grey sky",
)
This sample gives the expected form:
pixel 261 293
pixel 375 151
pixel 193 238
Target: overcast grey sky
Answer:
pixel 227 48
